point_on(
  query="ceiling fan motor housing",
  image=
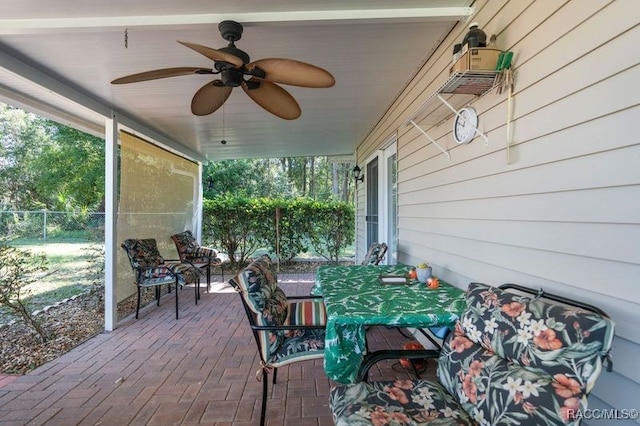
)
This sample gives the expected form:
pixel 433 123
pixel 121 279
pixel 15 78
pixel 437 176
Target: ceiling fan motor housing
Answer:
pixel 232 32
pixel 231 77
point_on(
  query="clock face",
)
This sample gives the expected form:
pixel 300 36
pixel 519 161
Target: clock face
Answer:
pixel 465 125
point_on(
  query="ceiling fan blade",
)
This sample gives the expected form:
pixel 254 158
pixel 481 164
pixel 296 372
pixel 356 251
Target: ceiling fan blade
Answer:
pixel 272 98
pixel 210 97
pixel 213 54
pixel 294 73
pixel 161 73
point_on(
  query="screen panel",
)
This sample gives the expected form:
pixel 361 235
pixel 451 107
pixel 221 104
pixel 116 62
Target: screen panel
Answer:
pixel 158 197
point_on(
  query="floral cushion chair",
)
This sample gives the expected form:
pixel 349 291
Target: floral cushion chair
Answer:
pixel 202 257
pixel 286 329
pixel 375 254
pixel 153 270
pixel 514 358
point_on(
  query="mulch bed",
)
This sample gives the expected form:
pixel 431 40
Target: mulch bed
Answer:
pixel 71 323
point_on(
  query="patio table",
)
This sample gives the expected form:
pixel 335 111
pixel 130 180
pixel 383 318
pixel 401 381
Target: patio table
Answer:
pixel 354 299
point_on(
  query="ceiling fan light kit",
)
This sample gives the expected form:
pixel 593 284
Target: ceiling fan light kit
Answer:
pixel 259 79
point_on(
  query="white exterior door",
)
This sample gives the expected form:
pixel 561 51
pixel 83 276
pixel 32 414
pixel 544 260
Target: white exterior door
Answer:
pixel 381 200
pixel 389 203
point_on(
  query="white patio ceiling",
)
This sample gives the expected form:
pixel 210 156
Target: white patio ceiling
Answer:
pixel 58 59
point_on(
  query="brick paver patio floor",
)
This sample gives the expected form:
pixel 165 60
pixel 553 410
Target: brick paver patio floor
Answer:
pixel 200 369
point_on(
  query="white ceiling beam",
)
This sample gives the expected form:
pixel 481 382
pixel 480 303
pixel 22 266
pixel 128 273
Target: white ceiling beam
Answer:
pixel 44 109
pixel 41 78
pixel 8 26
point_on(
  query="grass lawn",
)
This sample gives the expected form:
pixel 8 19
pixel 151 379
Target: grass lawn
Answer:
pixel 73 265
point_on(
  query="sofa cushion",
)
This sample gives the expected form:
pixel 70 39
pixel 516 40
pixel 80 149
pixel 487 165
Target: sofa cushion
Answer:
pixel 535 332
pixel 513 358
pixel 401 402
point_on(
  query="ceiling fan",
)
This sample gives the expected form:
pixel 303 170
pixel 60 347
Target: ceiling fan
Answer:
pixel 258 78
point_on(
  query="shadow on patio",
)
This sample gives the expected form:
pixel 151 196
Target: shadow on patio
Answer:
pixel 199 369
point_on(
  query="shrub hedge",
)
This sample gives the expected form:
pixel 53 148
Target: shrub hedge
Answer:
pixel 241 225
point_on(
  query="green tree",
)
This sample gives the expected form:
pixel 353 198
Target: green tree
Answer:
pixel 247 177
pixel 70 170
pixel 22 136
pixel 318 178
pixel 44 164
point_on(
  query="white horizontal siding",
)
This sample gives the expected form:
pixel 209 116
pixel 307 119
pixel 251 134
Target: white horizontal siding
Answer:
pixel 616 391
pixel 597 404
pixel 625 359
pixel 602 170
pixel 601 242
pixel 604 205
pixel 564 213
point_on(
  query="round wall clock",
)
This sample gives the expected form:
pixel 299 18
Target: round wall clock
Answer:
pixel 464 125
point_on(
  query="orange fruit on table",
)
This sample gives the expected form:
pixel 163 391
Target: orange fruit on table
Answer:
pixel 433 283
pixel 412 274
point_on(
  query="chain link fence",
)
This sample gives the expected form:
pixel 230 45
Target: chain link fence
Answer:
pixel 46 224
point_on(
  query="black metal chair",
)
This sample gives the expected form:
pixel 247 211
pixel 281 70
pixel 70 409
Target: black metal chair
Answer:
pixel 202 257
pixel 516 356
pixel 286 329
pixel 152 270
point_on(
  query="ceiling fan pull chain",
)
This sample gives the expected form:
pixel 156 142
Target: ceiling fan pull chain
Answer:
pixel 223 141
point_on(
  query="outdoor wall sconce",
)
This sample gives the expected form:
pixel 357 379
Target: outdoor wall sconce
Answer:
pixel 356 174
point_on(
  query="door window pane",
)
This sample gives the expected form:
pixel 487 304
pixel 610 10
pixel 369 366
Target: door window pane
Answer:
pixel 392 210
pixel 371 218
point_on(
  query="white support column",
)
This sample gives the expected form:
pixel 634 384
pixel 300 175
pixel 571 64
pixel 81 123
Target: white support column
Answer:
pixel 110 223
pixel 199 204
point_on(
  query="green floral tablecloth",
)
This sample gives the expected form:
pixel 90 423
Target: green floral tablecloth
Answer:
pixel 354 298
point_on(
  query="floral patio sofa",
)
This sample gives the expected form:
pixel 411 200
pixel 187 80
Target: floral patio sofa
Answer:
pixel 513 359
